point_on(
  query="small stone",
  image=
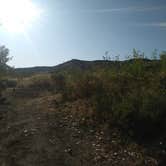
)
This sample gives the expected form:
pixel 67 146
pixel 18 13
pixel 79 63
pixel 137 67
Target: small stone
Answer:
pixel 115 154
pixel 77 143
pixel 98 145
pixel 102 132
pixel 131 154
pixel 69 150
pixel 25 131
pixel 161 143
pixel 100 138
pixel 91 131
pixel 51 141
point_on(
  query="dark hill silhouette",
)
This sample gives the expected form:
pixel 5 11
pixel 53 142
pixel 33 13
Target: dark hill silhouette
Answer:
pixel 73 64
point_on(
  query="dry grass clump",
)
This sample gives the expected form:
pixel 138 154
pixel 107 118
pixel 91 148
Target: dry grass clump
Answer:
pixel 36 82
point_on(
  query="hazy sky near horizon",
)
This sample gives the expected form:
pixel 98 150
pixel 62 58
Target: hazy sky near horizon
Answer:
pixel 85 29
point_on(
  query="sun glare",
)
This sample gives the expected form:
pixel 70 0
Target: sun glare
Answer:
pixel 18 15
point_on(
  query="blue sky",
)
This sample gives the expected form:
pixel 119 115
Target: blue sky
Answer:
pixel 85 29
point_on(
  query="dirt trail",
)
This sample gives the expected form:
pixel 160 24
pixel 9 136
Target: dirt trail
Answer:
pixel 31 135
pixel 36 133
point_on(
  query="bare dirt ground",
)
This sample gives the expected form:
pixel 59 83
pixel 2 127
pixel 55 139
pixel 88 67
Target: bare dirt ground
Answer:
pixel 42 131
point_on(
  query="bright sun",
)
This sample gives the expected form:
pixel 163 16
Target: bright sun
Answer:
pixel 17 15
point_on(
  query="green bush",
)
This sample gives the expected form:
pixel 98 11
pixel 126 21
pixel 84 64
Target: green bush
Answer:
pixel 135 104
pixel 163 61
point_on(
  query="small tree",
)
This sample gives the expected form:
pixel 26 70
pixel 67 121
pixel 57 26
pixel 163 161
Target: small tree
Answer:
pixel 136 66
pixel 137 54
pixel 107 57
pixel 154 54
pixel 163 60
pixel 4 58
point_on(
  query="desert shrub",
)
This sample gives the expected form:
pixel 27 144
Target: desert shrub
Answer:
pixel 163 61
pixel 162 80
pixel 150 120
pixel 10 83
pixel 59 82
pixel 2 87
pixel 136 105
pixel 138 64
pixel 142 114
pixel 85 86
pixel 137 67
pixel 109 95
pixel 39 82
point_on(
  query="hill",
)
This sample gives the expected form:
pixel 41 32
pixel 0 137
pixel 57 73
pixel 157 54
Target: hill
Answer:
pixel 73 65
pixel 69 65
